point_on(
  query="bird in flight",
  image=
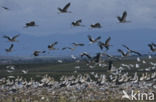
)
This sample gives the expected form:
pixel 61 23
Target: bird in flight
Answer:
pixel 70 48
pixel 11 39
pixel 152 47
pixel 10 48
pixel 96 25
pixel 65 8
pixel 51 46
pixel 36 53
pixel 124 54
pixel 106 44
pixel 92 40
pixel 30 24
pixel 78 44
pixel 132 51
pixel 122 19
pixel 5 8
pixel 77 23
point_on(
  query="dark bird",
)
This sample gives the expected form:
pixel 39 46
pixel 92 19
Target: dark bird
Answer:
pixel 153 44
pixel 110 64
pixel 92 40
pixel 78 44
pixel 77 23
pixel 6 8
pixel 52 46
pixel 65 9
pixel 123 18
pixel 11 39
pixel 10 48
pixel 124 54
pixel 97 58
pixel 36 53
pixel 106 44
pixel 30 24
pixel 85 54
pixel 96 25
pixel 152 47
pixel 131 51
pixel 70 48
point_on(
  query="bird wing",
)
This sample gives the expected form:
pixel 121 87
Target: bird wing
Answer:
pixel 11 46
pixel 124 15
pixel 66 6
pixel 98 38
pixel 53 44
pixel 119 50
pixel 100 44
pixel 7 37
pixel 14 37
pixel 132 51
pixel 90 38
pixel 79 21
pixel 86 54
pixel 107 41
pixel 126 47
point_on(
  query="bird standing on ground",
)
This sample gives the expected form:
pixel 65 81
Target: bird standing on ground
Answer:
pixel 65 9
pixel 92 40
pixel 123 18
pixel 11 39
pixel 106 44
pixel 10 48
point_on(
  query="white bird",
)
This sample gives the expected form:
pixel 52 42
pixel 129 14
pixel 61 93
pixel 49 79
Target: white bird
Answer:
pixel 125 95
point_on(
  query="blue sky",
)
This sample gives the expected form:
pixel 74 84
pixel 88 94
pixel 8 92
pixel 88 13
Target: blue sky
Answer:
pixel 57 27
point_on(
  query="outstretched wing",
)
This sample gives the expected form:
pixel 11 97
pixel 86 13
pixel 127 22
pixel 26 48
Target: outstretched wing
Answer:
pixel 66 6
pixel 119 50
pixel 7 37
pixel 90 38
pixel 14 37
pixel 132 51
pixel 108 40
pixel 98 38
pixel 124 15
pixel 126 47
pixel 11 46
pixel 79 21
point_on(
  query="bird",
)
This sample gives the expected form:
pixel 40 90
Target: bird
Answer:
pixel 30 24
pixel 6 8
pixel 152 47
pixel 36 53
pixel 78 44
pixel 65 9
pixel 92 40
pixel 11 39
pixel 123 53
pixel 131 51
pixel 106 44
pixel 123 18
pixel 85 54
pixel 51 46
pixel 10 48
pixel 77 23
pixel 110 64
pixel 70 48
pixel 96 25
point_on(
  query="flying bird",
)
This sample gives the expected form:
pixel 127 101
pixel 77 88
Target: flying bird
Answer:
pixel 106 44
pixel 122 19
pixel 78 44
pixel 85 54
pixel 30 24
pixel 131 51
pixel 36 53
pixel 124 54
pixel 10 48
pixel 92 40
pixel 11 39
pixel 65 9
pixel 70 48
pixel 51 46
pixel 152 47
pixel 77 23
pixel 96 25
pixel 6 8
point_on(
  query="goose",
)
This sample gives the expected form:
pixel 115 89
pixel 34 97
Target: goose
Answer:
pixel 123 18
pixel 65 8
pixel 106 44
pixel 77 23
pixel 96 25
pixel 70 48
pixel 78 44
pixel 85 54
pixel 124 54
pixel 11 39
pixel 132 51
pixel 51 46
pixel 36 53
pixel 152 47
pixel 30 24
pixel 10 48
pixel 92 40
